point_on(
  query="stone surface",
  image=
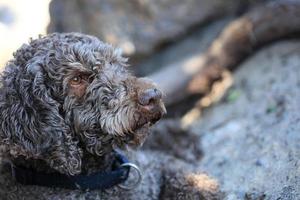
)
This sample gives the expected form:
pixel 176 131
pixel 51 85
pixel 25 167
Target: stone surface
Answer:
pixel 185 49
pixel 251 143
pixel 137 26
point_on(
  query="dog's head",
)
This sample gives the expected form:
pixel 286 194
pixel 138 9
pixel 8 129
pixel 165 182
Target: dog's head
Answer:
pixel 72 89
pixel 102 99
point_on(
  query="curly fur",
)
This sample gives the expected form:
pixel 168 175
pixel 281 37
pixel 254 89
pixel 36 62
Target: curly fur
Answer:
pixel 52 118
pixel 66 101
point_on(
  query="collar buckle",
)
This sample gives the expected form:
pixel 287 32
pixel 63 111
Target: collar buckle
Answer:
pixel 133 184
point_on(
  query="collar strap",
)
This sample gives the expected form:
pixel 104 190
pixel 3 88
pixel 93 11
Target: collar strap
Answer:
pixel 98 180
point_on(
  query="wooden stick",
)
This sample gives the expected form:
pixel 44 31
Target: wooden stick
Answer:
pixel 238 40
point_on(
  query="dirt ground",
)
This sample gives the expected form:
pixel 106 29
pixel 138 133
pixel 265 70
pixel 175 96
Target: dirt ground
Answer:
pixel 251 139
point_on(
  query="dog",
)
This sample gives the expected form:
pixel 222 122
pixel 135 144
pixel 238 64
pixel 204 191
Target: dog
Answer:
pixel 68 105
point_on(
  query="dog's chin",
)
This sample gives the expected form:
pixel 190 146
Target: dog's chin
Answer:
pixel 138 136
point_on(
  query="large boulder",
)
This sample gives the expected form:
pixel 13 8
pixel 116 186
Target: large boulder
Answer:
pixel 137 26
pixel 251 140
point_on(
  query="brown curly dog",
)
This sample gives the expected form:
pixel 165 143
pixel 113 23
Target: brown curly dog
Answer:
pixel 67 102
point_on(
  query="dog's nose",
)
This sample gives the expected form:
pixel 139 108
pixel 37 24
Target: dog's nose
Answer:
pixel 150 100
pixel 149 96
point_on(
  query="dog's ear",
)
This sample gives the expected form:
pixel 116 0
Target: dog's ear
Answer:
pixel 30 122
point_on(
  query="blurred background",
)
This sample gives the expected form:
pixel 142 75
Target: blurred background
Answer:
pixel 20 20
pixel 154 34
pixel 230 70
pixel 142 28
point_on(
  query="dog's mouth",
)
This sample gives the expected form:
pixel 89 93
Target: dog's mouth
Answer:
pixel 141 128
pixel 139 134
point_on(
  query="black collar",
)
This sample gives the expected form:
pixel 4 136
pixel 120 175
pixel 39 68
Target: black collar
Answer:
pixel 98 180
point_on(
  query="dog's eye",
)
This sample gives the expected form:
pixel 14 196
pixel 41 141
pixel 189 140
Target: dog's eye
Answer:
pixel 76 80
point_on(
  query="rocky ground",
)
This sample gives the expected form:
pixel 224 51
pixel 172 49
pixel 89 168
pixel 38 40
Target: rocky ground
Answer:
pixel 251 139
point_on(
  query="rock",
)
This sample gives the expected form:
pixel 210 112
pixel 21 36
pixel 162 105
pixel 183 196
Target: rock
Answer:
pixel 171 138
pixel 185 49
pixel 137 26
pixel 251 145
